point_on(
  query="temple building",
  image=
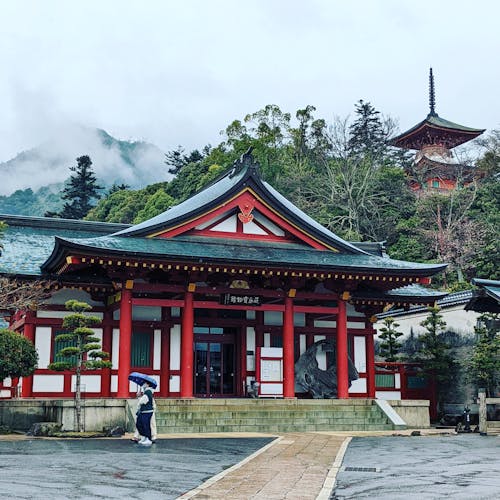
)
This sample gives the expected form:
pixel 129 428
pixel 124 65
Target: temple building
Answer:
pixel 219 295
pixel 435 166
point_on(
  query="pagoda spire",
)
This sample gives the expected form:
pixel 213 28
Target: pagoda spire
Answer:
pixel 432 95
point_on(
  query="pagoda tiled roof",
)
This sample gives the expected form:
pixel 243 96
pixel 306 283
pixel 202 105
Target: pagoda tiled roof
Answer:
pixel 435 130
pixel 487 296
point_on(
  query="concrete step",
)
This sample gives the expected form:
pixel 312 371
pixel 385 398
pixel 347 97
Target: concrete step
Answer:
pixel 249 415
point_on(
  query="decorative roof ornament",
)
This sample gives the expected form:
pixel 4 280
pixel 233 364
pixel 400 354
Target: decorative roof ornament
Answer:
pixel 245 161
pixel 432 95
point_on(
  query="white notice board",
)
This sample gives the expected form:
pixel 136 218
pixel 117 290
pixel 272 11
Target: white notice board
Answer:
pixel 269 371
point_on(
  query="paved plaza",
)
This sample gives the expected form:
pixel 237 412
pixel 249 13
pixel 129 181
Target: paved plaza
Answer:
pixel 295 466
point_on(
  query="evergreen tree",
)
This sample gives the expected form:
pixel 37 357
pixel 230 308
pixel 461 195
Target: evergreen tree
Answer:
pixel 81 189
pixel 390 346
pixel 483 368
pixel 434 354
pixel 83 345
pixel 18 356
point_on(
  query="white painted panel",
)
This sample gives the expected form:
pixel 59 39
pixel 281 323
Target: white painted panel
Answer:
pixel 203 225
pixel 48 383
pixel 115 348
pixel 267 339
pixel 175 383
pixel 302 343
pixel 146 313
pixel 157 350
pixel 271 390
pixel 175 312
pixel 268 224
pixel 98 334
pixel 5 393
pixel 325 324
pixel 114 383
pixel 273 318
pixel 90 383
pixel 299 319
pixel 63 314
pixel 226 226
pixel 360 353
pixel 320 355
pixel 397 381
pixel 175 347
pixel 43 344
pixel 388 395
pixel 252 228
pixel 62 296
pixel 116 314
pixel 250 314
pixel 355 325
pixel 250 348
pixel 7 382
pixel 271 352
pixel 358 385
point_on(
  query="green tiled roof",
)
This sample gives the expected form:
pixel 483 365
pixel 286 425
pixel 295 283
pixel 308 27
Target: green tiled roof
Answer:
pixel 28 241
pixel 218 250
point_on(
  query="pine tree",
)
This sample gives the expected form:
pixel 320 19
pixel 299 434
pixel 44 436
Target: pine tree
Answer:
pixel 83 345
pixel 390 346
pixel 81 189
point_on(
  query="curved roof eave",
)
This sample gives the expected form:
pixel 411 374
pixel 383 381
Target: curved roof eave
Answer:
pixel 299 258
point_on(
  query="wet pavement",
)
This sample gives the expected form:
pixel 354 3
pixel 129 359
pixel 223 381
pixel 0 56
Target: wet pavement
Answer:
pixel 293 466
pixel 464 466
pixel 114 468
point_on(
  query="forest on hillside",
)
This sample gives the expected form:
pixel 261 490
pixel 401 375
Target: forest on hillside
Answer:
pixel 346 176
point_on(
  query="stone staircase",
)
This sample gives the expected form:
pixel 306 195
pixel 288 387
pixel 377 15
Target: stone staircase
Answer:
pixel 269 415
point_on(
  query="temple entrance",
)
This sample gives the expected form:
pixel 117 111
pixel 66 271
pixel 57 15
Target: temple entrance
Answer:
pixel 214 362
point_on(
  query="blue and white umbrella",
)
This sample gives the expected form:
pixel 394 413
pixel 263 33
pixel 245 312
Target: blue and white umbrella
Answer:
pixel 140 378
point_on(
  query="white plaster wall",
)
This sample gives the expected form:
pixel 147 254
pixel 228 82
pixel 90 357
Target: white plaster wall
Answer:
pixel 320 355
pixel 156 349
pixel 115 348
pixel 360 353
pixel 175 383
pixel 274 318
pixel 250 347
pixel 175 348
pixel 43 344
pixel 457 319
pixel 146 313
pixel 62 296
pixel 48 383
pixel 89 383
pixel 358 386
pixel 63 314
pixel 388 395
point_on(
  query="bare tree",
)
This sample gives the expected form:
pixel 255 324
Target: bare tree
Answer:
pixel 18 294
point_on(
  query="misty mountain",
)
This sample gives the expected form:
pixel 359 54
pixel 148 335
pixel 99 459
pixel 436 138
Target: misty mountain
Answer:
pixel 29 202
pixel 135 163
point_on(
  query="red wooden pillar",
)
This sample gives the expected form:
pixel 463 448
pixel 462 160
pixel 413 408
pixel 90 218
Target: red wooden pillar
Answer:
pixel 107 335
pixel 370 365
pixel 125 343
pixel 342 365
pixel 187 339
pixel 29 333
pixel 288 351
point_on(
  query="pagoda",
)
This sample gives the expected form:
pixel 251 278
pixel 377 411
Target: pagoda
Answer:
pixel 435 167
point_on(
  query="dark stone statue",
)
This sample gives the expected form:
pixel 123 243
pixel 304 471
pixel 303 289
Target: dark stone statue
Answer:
pixel 321 384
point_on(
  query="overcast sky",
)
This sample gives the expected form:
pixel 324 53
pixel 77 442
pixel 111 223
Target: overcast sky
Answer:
pixel 178 72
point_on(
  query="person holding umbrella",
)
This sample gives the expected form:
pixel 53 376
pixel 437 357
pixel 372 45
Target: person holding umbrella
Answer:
pixel 145 413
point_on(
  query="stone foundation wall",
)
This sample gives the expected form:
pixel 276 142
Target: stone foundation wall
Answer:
pixel 21 414
pixel 415 412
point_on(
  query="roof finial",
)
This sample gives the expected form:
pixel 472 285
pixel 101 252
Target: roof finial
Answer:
pixel 432 96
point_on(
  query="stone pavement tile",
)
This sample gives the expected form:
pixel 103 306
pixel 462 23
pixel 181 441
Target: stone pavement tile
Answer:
pixel 294 467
